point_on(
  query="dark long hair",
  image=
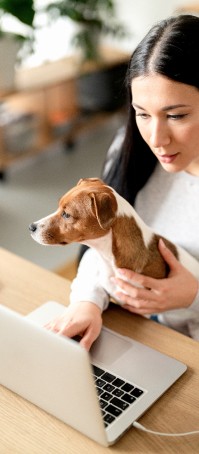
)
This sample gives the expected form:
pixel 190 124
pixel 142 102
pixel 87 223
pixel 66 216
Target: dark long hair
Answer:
pixel 170 48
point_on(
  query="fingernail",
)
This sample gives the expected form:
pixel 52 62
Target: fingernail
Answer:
pixel 162 243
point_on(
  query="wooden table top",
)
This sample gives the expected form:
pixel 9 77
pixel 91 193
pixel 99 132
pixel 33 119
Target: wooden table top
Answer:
pixel 25 428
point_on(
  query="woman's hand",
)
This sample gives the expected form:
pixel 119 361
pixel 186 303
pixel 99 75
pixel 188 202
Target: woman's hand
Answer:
pixel 83 318
pixel 177 291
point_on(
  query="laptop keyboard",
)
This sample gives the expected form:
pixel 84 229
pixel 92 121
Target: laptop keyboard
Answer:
pixel 115 395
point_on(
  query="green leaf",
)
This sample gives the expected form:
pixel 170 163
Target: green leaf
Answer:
pixel 21 9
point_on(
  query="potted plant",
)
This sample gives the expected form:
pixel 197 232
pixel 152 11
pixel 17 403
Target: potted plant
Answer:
pixel 10 42
pixel 93 19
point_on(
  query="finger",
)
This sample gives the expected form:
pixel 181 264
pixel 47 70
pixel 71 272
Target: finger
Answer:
pixel 136 293
pixel 139 311
pixel 89 337
pixel 167 255
pixel 70 329
pixel 87 340
pixel 55 323
pixel 138 304
pixel 137 279
pixel 49 324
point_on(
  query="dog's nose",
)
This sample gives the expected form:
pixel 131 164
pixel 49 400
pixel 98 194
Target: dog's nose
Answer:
pixel 32 227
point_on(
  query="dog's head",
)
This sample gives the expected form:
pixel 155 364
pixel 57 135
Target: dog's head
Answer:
pixel 85 212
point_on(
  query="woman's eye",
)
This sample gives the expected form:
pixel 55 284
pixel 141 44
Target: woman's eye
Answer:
pixel 65 215
pixel 177 116
pixel 142 115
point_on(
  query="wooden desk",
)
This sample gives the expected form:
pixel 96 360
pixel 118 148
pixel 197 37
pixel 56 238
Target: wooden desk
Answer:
pixel 24 428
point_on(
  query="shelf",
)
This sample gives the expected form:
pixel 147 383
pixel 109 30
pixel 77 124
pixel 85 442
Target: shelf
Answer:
pixel 66 69
pixel 51 90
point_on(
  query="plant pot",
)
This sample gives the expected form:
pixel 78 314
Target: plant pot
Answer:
pixel 103 89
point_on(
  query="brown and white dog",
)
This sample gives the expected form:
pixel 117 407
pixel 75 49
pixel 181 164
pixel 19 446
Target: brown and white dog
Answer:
pixel 94 214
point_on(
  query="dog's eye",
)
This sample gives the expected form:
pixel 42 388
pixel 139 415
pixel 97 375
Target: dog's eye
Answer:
pixel 65 215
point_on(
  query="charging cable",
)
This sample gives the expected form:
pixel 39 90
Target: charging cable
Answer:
pixel 144 429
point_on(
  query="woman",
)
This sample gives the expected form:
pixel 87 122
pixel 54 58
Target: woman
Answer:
pixel 155 165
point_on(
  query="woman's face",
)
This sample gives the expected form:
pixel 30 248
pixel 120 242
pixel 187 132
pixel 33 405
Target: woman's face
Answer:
pixel 167 116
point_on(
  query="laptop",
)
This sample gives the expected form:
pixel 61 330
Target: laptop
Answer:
pixel 100 393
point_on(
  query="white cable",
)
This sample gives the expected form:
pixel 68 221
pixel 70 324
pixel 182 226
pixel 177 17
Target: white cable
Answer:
pixel 140 427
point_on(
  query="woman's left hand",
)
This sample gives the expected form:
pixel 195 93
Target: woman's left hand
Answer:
pixel 177 291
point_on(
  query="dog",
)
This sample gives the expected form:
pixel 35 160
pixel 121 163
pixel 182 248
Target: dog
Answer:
pixel 95 215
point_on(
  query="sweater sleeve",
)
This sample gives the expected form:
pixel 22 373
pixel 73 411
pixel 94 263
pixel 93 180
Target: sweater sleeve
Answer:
pixel 86 286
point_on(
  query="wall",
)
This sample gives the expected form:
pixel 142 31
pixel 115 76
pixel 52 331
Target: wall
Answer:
pixel 140 15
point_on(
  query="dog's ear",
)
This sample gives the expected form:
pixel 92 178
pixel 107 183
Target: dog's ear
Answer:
pixel 89 180
pixel 104 207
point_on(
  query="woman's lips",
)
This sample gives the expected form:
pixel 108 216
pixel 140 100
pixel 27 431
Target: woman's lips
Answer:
pixel 166 158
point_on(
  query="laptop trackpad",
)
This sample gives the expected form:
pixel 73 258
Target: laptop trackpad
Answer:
pixel 109 347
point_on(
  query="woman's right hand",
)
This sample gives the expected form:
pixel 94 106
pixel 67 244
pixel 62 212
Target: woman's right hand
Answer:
pixel 83 319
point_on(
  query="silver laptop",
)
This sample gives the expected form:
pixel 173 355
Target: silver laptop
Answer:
pixel 100 394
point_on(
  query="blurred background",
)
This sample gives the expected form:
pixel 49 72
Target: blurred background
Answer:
pixel 62 100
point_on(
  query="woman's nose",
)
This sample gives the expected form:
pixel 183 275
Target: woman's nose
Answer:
pixel 160 135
